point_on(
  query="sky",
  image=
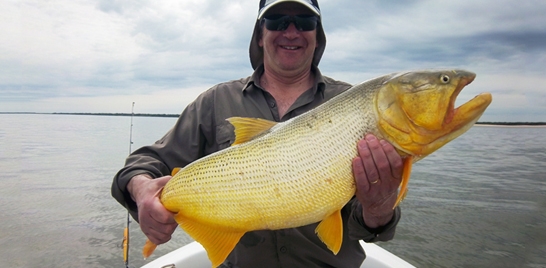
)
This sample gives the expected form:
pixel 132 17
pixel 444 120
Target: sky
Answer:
pixel 95 56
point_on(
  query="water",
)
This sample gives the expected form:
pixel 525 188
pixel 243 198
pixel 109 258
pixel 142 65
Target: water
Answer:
pixel 478 202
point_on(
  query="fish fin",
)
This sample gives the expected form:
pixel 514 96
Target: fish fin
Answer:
pixel 330 231
pixel 247 128
pixel 408 162
pixel 148 249
pixel 175 170
pixel 218 243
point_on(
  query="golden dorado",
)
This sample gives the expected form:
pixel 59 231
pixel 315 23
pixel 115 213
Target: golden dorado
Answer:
pixel 298 172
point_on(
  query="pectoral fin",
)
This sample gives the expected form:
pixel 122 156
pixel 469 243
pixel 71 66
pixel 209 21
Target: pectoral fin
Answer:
pixel 408 162
pixel 247 129
pixel 330 231
pixel 217 243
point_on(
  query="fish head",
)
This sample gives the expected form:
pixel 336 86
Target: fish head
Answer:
pixel 416 110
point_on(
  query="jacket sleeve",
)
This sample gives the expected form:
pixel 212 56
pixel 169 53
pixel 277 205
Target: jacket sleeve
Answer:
pixel 189 136
pixel 359 231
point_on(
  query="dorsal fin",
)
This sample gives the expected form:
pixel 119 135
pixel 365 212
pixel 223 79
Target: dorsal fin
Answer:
pixel 247 128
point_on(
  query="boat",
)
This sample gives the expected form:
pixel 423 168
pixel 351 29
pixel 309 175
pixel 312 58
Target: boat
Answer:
pixel 193 255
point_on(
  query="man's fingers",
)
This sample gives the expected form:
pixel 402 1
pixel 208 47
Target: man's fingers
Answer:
pixel 394 159
pixel 159 227
pixel 158 212
pixel 368 163
pixel 380 159
pixel 159 237
pixel 362 184
pixel 161 215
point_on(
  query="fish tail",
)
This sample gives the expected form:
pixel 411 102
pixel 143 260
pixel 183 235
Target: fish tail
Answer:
pixel 148 249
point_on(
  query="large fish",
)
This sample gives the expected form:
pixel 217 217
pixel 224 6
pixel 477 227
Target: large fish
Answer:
pixel 290 174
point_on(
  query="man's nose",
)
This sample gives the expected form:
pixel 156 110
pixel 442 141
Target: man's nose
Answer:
pixel 291 31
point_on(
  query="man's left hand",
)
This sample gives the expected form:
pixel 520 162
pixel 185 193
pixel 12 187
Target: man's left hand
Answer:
pixel 378 172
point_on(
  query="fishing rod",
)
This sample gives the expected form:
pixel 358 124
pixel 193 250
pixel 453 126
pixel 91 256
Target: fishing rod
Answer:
pixel 125 242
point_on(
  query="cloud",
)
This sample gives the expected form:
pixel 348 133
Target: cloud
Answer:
pixel 58 45
pixel 436 32
pixel 99 53
pixel 185 39
pixel 162 101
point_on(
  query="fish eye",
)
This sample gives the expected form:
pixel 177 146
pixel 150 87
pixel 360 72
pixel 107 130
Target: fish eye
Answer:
pixel 445 78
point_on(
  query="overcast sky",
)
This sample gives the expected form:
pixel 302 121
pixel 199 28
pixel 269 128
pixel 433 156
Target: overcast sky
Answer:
pixel 102 55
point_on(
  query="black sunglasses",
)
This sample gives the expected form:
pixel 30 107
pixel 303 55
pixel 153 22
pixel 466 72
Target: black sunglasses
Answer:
pixel 277 22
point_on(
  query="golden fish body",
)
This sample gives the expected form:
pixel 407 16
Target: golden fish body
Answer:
pixel 290 174
pixel 297 173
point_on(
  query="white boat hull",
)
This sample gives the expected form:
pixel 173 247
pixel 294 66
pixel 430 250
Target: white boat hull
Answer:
pixel 194 255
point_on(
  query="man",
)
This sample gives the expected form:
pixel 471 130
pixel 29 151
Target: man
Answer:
pixel 285 50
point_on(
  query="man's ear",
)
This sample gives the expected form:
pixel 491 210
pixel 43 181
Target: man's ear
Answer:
pixel 260 35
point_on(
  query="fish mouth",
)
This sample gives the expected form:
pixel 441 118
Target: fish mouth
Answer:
pixel 465 116
pixel 465 81
pixel 460 119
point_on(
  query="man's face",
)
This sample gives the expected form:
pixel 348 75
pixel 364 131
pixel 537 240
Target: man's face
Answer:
pixel 289 50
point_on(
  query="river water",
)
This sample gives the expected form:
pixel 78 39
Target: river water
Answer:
pixel 480 201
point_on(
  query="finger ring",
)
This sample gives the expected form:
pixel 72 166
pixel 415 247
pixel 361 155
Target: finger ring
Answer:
pixel 374 182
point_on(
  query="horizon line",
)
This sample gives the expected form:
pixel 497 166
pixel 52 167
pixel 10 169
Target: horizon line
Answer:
pixel 178 115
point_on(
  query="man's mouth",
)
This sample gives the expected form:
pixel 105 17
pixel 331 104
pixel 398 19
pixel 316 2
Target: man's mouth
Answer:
pixel 290 47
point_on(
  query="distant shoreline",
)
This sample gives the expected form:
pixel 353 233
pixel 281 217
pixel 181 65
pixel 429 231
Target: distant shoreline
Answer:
pixel 508 124
pixel 511 124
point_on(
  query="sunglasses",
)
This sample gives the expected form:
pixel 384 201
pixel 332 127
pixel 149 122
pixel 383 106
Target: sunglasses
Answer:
pixel 277 22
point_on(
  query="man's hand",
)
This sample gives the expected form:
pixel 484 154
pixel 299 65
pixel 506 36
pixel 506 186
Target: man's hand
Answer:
pixel 156 222
pixel 378 173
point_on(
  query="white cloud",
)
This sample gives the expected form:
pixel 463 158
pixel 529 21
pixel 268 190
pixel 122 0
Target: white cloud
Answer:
pixel 162 101
pixel 98 55
pixel 58 43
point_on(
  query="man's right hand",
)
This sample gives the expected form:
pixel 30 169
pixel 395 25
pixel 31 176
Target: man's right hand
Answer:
pixel 156 222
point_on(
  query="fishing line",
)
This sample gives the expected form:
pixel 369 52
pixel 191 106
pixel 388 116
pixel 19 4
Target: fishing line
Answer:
pixel 125 242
